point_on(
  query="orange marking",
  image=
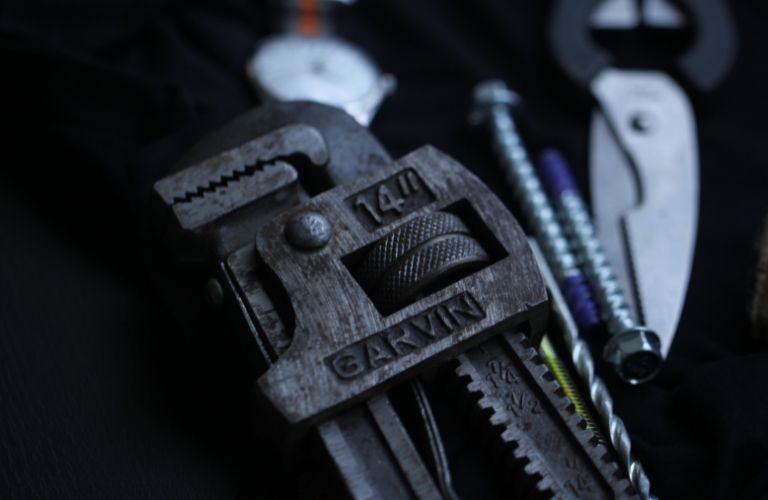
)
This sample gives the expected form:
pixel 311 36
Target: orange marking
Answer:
pixel 309 20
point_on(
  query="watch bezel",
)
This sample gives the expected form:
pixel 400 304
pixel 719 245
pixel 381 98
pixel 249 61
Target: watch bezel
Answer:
pixel 361 107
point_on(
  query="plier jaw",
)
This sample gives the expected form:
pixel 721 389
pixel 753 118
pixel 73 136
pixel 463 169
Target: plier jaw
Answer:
pixel 704 65
pixel 644 172
pixel 645 190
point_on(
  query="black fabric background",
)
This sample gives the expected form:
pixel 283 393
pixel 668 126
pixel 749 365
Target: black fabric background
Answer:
pixel 100 396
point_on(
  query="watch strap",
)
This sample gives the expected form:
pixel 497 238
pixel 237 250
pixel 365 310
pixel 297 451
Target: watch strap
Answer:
pixel 309 17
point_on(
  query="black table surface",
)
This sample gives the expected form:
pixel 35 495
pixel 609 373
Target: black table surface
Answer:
pixel 101 396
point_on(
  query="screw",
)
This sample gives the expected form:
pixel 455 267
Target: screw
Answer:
pixel 633 349
pixel 492 102
pixel 308 231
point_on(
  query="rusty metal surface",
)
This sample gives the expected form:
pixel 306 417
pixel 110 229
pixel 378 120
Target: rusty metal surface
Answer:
pixel 371 449
pixel 219 201
pixel 343 348
pixel 353 150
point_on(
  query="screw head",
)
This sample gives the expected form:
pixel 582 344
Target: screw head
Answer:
pixel 495 92
pixel 488 94
pixel 308 231
pixel 635 354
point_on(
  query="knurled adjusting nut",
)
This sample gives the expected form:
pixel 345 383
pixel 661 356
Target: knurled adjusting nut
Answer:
pixel 418 256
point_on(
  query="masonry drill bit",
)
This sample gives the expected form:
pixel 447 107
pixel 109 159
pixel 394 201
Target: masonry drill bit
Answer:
pixel 598 392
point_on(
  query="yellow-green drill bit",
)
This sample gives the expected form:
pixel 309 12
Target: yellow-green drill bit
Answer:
pixel 563 376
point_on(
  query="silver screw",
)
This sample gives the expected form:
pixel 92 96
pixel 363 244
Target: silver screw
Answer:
pixel 492 102
pixel 633 350
pixel 308 231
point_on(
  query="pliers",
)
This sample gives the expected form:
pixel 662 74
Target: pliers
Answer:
pixel 644 166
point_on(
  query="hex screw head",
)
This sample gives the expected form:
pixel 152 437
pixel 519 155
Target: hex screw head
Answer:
pixel 635 354
pixel 495 92
pixel 487 95
pixel 308 231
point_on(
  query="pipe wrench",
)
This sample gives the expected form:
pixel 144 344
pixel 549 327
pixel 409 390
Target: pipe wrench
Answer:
pixel 644 166
pixel 363 287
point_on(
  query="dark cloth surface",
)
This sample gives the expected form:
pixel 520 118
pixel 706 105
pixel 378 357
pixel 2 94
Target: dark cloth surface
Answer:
pixel 100 396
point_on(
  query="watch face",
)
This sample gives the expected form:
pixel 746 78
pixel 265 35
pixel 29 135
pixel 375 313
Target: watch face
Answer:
pixel 321 69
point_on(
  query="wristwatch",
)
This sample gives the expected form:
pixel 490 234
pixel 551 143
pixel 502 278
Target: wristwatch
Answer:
pixel 308 63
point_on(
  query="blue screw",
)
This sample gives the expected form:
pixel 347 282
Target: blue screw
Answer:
pixel 633 349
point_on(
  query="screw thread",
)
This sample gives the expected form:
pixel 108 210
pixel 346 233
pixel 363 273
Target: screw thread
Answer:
pixel 578 225
pixel 605 286
pixel 634 349
pixel 529 191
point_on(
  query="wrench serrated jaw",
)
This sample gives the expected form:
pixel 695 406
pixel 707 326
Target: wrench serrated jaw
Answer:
pixel 227 166
pixel 228 194
pixel 216 205
pixel 526 415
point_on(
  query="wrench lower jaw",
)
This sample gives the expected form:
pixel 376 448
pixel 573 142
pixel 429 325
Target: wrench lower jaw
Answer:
pixel 532 426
